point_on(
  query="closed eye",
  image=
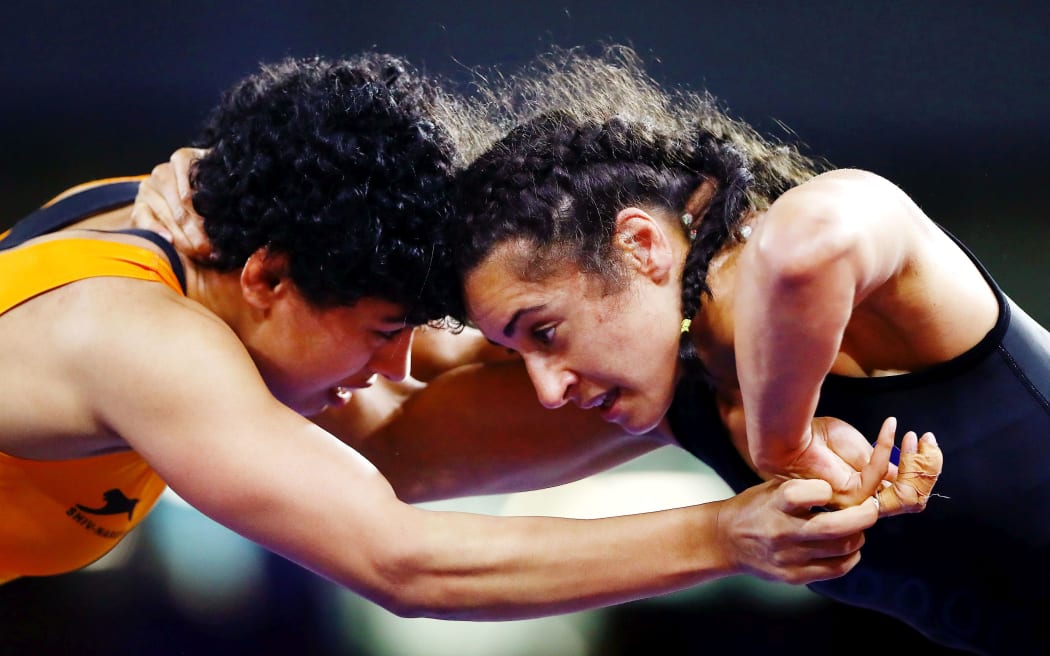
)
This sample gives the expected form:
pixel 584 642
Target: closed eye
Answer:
pixel 388 335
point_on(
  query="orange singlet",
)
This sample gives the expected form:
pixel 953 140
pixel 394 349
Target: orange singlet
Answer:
pixel 58 516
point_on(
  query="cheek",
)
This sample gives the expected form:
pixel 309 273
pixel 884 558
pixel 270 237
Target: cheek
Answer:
pixel 654 360
pixel 327 359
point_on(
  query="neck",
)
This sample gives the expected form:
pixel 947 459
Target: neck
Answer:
pixel 219 292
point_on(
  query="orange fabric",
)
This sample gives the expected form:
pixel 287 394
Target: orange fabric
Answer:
pixel 58 516
pixel 41 267
pixel 55 517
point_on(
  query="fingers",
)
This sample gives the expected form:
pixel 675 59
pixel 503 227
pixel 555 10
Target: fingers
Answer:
pixel 834 547
pixel 909 443
pixel 798 496
pixel 920 466
pixel 772 531
pixel 820 545
pixel 151 210
pixel 824 569
pixel 182 161
pixel 164 205
pixel 877 467
pixel 174 179
pixel 839 523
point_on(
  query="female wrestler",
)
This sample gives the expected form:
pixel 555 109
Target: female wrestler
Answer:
pixel 661 264
pixel 128 367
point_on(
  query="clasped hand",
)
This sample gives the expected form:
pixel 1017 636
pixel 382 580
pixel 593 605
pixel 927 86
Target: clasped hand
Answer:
pixel 837 453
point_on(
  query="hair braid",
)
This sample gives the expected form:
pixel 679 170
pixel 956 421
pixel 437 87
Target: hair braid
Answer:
pixel 728 167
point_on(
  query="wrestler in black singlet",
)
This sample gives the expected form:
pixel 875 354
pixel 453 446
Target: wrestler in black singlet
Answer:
pixel 973 570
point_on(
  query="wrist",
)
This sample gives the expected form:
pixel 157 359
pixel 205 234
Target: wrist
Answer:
pixel 723 556
pixel 778 455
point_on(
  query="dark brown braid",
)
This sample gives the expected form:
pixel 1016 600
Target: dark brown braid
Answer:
pixel 728 168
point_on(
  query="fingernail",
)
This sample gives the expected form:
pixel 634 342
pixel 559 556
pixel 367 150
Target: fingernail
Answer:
pixel 930 438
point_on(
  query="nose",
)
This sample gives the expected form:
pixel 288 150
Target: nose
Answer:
pixel 551 382
pixel 393 359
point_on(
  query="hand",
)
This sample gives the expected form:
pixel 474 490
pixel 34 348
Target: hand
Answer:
pixel 899 490
pixel 839 454
pixel 920 464
pixel 164 205
pixel 774 531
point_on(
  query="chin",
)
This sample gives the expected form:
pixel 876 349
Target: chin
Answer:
pixel 639 423
pixel 638 426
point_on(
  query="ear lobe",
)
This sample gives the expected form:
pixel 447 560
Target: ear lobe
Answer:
pixel 644 242
pixel 262 277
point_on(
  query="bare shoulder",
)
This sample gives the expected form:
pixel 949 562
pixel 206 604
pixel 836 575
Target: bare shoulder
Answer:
pixel 852 190
pixel 81 357
pixel 845 210
pixel 125 320
pixel 143 354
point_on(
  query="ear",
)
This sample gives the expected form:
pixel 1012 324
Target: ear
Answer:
pixel 645 243
pixel 264 278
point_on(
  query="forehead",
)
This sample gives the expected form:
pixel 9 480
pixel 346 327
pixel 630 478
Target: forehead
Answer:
pixel 504 285
pixel 370 310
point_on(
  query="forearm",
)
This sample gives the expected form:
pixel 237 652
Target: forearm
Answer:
pixel 791 317
pixel 479 430
pixel 475 567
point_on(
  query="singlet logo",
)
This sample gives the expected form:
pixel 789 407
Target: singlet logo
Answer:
pixel 116 503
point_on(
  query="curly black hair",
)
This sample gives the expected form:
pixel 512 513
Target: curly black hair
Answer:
pixel 591 135
pixel 344 167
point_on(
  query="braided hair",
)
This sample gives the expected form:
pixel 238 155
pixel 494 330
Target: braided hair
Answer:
pixel 595 135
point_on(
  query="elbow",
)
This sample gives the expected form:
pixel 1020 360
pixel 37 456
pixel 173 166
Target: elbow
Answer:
pixel 407 586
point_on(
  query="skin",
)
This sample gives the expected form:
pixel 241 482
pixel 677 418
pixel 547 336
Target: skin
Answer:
pixel 204 371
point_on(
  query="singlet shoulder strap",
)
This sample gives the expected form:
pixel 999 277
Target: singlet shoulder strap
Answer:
pixel 82 202
pixel 70 209
pixel 164 245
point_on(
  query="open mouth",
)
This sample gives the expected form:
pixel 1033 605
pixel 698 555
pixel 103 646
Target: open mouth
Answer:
pixel 606 401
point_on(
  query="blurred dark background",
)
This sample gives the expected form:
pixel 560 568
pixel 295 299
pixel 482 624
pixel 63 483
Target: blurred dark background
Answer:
pixel 949 100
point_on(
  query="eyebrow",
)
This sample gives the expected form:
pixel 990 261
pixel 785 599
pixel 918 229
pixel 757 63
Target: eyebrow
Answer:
pixel 508 330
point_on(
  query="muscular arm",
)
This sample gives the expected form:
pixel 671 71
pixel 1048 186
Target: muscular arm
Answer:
pixel 480 430
pixel 821 249
pixel 177 385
